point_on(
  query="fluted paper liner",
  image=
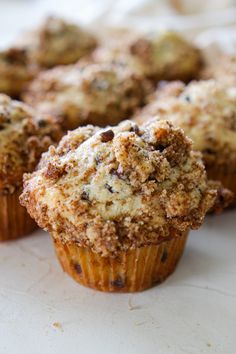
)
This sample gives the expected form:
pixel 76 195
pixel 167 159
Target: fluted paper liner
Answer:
pixel 14 219
pixel 131 271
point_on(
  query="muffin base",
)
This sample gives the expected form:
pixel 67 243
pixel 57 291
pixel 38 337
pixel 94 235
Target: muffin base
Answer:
pixel 227 178
pixel 14 219
pixel 131 271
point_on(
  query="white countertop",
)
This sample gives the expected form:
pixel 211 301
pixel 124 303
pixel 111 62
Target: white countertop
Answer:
pixel 42 310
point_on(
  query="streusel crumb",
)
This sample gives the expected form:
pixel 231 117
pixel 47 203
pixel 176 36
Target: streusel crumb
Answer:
pixel 119 188
pixel 24 135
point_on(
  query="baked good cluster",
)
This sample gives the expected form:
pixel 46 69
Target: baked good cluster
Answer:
pixel 117 148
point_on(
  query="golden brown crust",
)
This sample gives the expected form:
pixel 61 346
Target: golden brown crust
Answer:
pixel 122 188
pixel 15 71
pixel 58 42
pixel 24 135
pixel 99 94
pixel 206 110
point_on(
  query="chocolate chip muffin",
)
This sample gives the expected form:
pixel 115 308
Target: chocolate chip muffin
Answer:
pixel 15 71
pixel 58 42
pixel 23 137
pixel 118 202
pixel 206 110
pixel 161 56
pixel 98 94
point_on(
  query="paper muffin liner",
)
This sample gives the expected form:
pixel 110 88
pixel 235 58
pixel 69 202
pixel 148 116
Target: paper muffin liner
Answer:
pixel 227 178
pixel 14 219
pixel 131 271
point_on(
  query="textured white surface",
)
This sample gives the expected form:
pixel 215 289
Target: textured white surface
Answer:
pixel 193 312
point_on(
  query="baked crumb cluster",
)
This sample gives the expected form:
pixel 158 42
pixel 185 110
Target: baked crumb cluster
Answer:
pixel 15 71
pixel 206 110
pixel 97 94
pixel 23 138
pixel 120 187
pixel 58 42
pixel 163 56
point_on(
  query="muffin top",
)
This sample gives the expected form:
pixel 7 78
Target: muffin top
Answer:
pixel 206 110
pixel 97 94
pixel 119 188
pixel 15 71
pixel 58 42
pixel 23 137
pixel 222 69
pixel 162 56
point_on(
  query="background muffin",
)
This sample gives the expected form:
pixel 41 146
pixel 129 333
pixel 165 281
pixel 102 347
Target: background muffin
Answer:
pixel 206 110
pixel 58 42
pixel 119 202
pixel 161 56
pixel 99 94
pixel 23 137
pixel 15 71
pixel 222 69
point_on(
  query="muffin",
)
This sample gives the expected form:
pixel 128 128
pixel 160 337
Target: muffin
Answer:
pixel 23 137
pixel 206 110
pixel 100 94
pixel 118 202
pixel 162 56
pixel 58 42
pixel 15 71
pixel 222 69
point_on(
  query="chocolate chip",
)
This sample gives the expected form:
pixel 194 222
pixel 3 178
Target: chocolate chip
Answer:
pixel 135 129
pixel 161 148
pixel 116 173
pixel 98 159
pixel 187 98
pixel 42 123
pixel 78 268
pixel 106 136
pixel 85 195
pixel 164 256
pixel 109 188
pixel 118 283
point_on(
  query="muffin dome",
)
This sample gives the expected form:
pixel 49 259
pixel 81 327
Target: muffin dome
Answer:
pixel 206 110
pixel 167 56
pixel 161 56
pixel 97 94
pixel 119 188
pixel 24 135
pixel 58 42
pixel 15 71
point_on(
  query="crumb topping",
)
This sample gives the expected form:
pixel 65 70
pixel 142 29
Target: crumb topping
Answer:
pixel 99 94
pixel 23 137
pixel 58 42
pixel 206 110
pixel 167 56
pixel 162 56
pixel 15 71
pixel 119 188
pixel 222 69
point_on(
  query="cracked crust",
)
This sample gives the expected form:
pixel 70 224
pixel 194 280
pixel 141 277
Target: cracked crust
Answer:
pixel 99 94
pixel 206 110
pixel 58 42
pixel 23 137
pixel 15 71
pixel 119 188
